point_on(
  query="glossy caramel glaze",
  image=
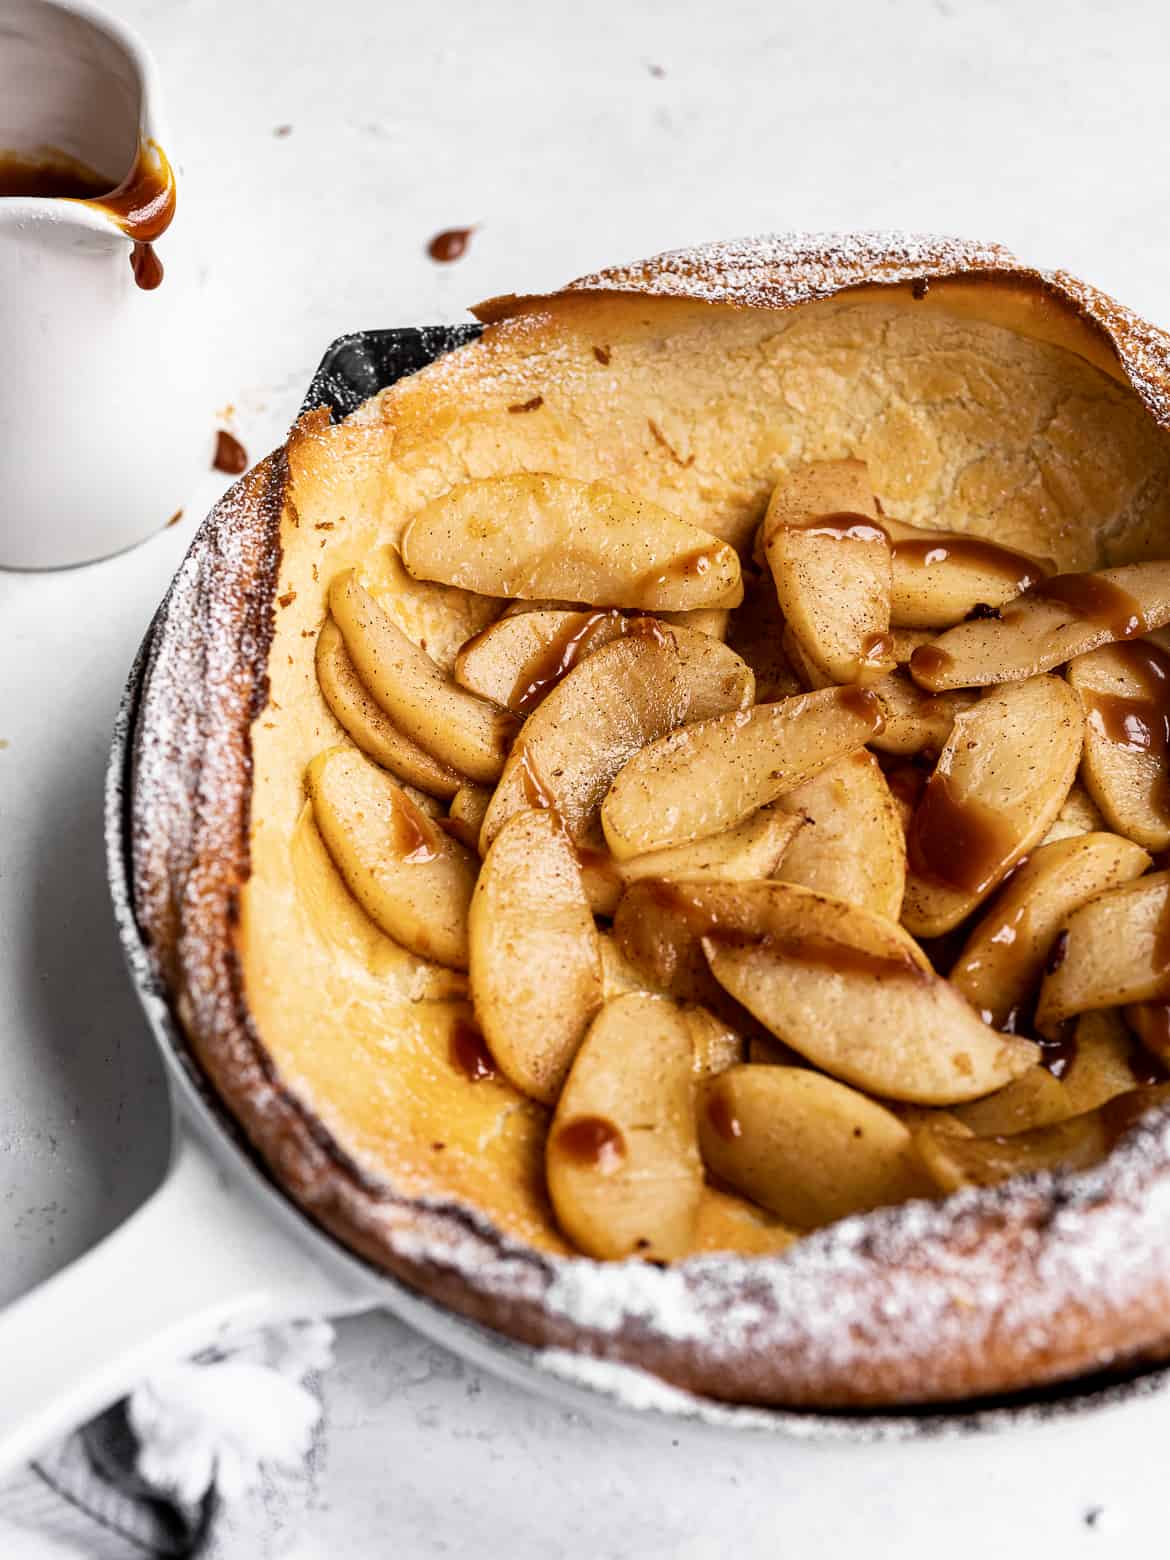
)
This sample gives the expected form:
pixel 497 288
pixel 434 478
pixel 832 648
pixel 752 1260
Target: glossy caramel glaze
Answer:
pixel 1092 599
pixel 592 1142
pixel 1017 569
pixel 960 843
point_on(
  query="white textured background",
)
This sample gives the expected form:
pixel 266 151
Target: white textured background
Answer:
pixel 1042 125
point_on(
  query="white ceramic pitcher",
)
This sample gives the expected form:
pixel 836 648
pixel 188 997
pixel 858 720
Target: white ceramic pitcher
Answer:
pixel 105 420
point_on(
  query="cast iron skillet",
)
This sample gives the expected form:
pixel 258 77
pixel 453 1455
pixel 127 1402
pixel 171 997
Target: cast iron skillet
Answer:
pixel 220 1244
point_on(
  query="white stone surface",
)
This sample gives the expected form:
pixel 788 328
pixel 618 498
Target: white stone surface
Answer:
pixel 1040 125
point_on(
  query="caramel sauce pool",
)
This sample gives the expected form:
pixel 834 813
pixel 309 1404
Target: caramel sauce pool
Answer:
pixel 961 844
pixel 142 205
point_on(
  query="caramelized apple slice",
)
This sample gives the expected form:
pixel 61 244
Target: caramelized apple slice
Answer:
pixel 1079 815
pixel 622 1158
pixel 999 785
pixel 605 710
pixel 351 936
pixel 1060 618
pixel 517 660
pixel 715 1045
pixel 659 927
pixel 461 731
pixel 732 1224
pixel 468 809
pixel 838 986
pixel 1002 962
pixel 1034 1099
pixel 411 879
pixel 808 674
pixel 369 725
pixel 712 621
pixel 1114 950
pixel 1104 1060
pixel 705 777
pixel 531 534
pixel 1076 1144
pixel 942 577
pixel 830 559
pixel 536 976
pixel 1125 689
pixel 851 846
pixel 747 850
pixel 850 991
pixel 804 1146
pixel 1149 1025
pixel 916 722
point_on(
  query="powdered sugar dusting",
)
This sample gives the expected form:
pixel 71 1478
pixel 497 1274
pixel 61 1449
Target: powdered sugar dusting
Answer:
pixel 780 270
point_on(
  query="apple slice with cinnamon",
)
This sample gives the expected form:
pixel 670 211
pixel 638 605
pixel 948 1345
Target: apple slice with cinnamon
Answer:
pixel 1064 616
pixel 410 877
pixel 536 974
pixel 604 711
pixel 807 1148
pixel 710 774
pixel 534 534
pixel 851 845
pixel 830 558
pixel 1076 1144
pixel 622 1157
pixel 367 723
pixel 1002 963
pixel 464 733
pixel 997 788
pixel 1125 689
pixel 1115 950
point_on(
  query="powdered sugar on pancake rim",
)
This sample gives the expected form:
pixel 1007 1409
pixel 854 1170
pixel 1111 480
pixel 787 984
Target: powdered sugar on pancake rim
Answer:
pixel 1045 1274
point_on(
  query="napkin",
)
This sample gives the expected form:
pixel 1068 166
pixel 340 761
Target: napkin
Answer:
pixel 216 1457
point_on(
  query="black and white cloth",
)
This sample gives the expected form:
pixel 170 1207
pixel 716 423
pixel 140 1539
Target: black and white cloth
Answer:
pixel 216 1458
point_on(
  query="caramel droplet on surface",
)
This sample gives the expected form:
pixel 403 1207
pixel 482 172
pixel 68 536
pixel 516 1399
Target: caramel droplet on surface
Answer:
pixel 594 1142
pixel 450 244
pixel 230 455
pixel 929 662
pixel 469 1052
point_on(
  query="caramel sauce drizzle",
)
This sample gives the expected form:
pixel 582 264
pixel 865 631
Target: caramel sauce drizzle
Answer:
pixel 416 838
pixel 930 661
pixel 563 652
pixel 1093 599
pixel 469 1053
pixel 142 205
pixel 536 793
pixel 568 648
pixel 960 844
pixel 1015 568
pixel 593 1142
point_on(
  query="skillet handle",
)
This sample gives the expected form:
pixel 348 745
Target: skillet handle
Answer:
pixel 200 1257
